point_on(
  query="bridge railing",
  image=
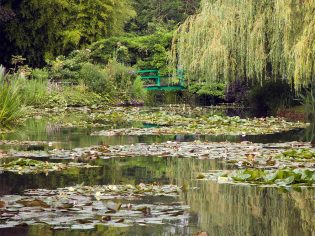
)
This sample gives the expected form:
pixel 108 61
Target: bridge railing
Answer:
pixel 162 80
pixel 150 75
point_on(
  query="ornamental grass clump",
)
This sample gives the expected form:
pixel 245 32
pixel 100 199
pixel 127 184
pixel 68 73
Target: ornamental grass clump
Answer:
pixel 11 106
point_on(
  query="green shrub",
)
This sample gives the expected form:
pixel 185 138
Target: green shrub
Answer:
pixel 122 76
pixel 68 68
pixel 214 91
pixel 34 92
pixel 96 79
pixel 40 74
pixel 144 51
pixel 138 91
pixel 77 97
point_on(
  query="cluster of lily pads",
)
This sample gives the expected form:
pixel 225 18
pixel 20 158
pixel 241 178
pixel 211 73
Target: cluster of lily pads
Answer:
pixel 27 143
pixel 84 207
pixel 3 154
pixel 303 154
pixel 30 166
pixel 297 168
pixel 210 126
pixel 276 177
pixel 241 155
pixel 174 120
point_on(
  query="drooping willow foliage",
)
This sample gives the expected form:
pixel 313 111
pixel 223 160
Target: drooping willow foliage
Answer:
pixel 248 39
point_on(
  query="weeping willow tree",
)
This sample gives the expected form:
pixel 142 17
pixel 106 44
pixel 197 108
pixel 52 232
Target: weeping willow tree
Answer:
pixel 248 39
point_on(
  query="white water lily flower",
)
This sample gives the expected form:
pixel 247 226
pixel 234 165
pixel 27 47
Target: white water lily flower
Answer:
pixel 129 186
pixel 223 180
pixel 97 196
pixel 112 187
pixel 71 189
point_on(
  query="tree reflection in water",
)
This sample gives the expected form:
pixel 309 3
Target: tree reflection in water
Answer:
pixel 224 209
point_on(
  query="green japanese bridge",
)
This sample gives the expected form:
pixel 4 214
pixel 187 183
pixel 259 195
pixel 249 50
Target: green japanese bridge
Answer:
pixel 153 81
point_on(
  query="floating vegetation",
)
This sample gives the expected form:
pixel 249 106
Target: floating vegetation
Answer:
pixel 3 154
pixel 279 177
pixel 178 120
pixel 244 154
pixel 88 118
pixel 303 154
pixel 29 166
pixel 26 142
pixel 213 126
pixel 200 150
pixel 84 207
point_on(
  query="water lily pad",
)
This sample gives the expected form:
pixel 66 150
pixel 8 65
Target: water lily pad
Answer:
pixel 75 207
pixel 279 177
pixel 30 166
pixel 33 203
pixel 208 125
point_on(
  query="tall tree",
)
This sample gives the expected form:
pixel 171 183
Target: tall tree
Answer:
pixel 249 39
pixel 161 11
pixel 44 29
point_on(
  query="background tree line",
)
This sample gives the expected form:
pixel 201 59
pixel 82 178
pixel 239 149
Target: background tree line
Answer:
pixel 42 30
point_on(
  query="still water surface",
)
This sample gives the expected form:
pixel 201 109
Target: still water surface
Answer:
pixel 218 209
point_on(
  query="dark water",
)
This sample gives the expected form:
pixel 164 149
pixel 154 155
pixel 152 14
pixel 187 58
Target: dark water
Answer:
pixel 218 209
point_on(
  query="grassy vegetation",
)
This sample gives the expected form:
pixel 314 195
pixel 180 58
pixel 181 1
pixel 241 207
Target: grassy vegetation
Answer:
pixel 11 106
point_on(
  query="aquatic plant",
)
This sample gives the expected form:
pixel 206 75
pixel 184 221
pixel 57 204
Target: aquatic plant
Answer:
pixel 166 120
pixel 30 166
pixel 215 125
pixel 84 207
pixel 256 40
pixel 298 154
pixel 241 155
pixel 278 177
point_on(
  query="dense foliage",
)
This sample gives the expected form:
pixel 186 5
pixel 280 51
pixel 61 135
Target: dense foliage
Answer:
pixel 44 29
pixel 258 40
pixel 147 51
pixel 160 12
pixel 41 30
pixel 96 47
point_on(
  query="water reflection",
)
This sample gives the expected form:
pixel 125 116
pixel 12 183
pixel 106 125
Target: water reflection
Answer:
pixel 112 171
pixel 219 209
pixel 243 210
pixel 310 133
pixel 156 230
pixel 224 209
pixel 216 208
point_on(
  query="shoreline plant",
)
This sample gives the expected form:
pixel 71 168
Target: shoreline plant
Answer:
pixel 11 106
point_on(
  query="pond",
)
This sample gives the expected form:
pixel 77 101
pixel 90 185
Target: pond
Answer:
pixel 218 209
